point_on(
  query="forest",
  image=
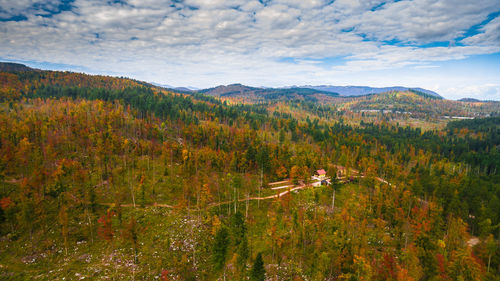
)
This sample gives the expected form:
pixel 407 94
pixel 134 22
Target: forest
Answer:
pixel 107 178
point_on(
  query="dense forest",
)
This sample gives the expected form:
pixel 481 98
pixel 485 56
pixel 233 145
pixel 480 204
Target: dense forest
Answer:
pixel 112 178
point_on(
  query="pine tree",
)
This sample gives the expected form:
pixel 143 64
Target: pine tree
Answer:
pixel 238 227
pixel 220 248
pixel 258 272
pixel 243 254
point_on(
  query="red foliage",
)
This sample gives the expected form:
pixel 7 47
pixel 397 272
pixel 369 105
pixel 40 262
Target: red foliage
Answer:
pixel 442 266
pixel 105 230
pixel 387 269
pixel 164 275
pixel 6 203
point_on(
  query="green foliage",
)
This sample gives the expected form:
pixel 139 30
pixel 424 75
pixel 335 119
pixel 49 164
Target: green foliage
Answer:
pixel 238 228
pixel 220 248
pixel 258 272
pixel 114 178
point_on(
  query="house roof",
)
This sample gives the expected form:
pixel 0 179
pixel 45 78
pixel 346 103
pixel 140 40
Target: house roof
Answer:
pixel 321 172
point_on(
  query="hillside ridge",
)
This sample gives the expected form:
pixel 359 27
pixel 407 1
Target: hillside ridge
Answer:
pixel 14 67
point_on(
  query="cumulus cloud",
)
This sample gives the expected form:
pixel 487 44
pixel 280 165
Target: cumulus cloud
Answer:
pixel 9 9
pixel 490 34
pixel 422 21
pixel 210 42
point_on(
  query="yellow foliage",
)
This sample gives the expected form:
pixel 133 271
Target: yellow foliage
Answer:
pixel 215 224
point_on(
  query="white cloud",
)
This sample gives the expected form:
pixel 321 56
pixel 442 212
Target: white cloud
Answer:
pixel 423 21
pixel 208 42
pixel 490 34
pixel 9 8
pixel 483 92
pixel 387 57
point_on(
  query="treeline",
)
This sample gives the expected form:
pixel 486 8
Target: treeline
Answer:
pixel 164 105
pixel 490 125
pixel 481 153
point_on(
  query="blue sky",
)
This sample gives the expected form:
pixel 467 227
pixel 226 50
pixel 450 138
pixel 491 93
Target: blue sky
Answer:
pixel 449 46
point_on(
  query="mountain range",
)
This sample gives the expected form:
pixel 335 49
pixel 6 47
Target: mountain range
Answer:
pixel 255 94
pixel 365 90
pixel 234 90
pixel 308 93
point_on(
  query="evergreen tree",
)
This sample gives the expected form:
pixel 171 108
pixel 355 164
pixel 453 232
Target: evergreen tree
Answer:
pixel 282 136
pixel 219 251
pixel 238 228
pixel 258 272
pixel 243 254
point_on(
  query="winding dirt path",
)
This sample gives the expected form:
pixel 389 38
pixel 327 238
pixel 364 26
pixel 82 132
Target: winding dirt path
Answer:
pixel 215 204
pixel 278 195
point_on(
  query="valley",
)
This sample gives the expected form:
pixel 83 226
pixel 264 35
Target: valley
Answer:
pixel 107 178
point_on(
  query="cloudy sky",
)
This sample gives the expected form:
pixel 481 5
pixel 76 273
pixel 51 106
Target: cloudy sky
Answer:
pixel 449 46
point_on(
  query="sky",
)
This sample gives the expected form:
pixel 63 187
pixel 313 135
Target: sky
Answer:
pixel 448 46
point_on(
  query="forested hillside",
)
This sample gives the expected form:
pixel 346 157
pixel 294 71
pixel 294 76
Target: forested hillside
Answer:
pixel 420 105
pixel 112 178
pixel 244 94
pixel 405 103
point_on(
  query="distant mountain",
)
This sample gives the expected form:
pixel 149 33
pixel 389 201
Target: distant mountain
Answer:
pixel 476 100
pixel 417 104
pixel 364 90
pixel 311 93
pixel 184 89
pixel 181 89
pixel 469 100
pixel 253 94
pixel 228 90
pixel 161 85
pixel 14 67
